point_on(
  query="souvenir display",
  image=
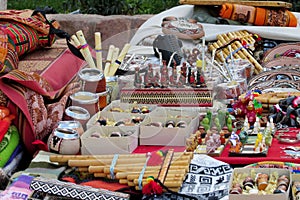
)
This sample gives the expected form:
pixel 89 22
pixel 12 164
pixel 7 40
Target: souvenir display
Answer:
pixel 264 183
pixel 206 111
pixel 212 134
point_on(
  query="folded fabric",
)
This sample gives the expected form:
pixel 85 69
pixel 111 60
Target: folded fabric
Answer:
pixel 41 165
pixel 207 177
pixel 19 189
pixel 16 152
pixel 13 165
pixel 8 144
pixel 38 91
pixel 258 16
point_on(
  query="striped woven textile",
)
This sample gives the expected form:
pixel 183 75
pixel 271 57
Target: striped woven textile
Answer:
pixel 27 31
pixel 38 91
pixel 8 55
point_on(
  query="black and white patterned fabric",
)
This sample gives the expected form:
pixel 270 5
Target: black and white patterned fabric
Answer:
pixel 71 190
pixel 207 178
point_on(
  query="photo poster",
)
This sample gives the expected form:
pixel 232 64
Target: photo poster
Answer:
pixel 207 178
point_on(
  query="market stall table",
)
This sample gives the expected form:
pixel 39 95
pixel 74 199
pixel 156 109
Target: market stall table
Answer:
pixel 275 153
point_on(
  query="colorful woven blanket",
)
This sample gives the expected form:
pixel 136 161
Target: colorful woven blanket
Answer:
pixel 38 91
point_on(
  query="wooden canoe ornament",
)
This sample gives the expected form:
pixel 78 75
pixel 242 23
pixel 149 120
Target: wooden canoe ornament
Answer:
pixel 183 28
pixel 275 79
pixel 282 50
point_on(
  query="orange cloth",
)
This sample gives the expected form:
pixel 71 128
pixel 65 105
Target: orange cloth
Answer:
pixel 258 16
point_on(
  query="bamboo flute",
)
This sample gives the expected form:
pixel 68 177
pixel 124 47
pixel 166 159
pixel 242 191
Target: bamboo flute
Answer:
pixel 118 169
pixel 108 59
pixel 82 169
pixel 165 166
pixel 223 40
pixel 94 162
pixel 114 57
pixel 169 178
pixel 85 47
pixel 77 44
pixel 115 65
pixel 98 49
pixel 258 67
pixel 170 173
pixel 65 158
pixel 133 175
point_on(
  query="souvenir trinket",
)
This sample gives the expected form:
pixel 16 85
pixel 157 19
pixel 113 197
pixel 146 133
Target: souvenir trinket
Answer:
pixel 236 189
pixel 170 124
pixel 262 181
pixel 181 124
pixel 64 141
pixel 248 183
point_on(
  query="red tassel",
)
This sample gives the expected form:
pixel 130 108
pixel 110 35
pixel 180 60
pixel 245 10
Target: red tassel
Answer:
pixel 152 187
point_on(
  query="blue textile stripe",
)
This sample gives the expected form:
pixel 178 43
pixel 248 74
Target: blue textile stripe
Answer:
pixel 140 180
pixel 112 166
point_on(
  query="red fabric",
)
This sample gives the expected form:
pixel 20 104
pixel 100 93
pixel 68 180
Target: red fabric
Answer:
pixel 52 84
pixel 275 153
pixel 154 149
pixel 104 185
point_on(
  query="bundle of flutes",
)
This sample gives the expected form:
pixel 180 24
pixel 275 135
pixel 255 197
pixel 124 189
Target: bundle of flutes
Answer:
pixel 114 59
pixel 132 169
pixel 234 44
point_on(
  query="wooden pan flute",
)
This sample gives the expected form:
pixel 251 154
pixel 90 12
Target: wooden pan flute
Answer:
pixel 132 169
pixel 233 39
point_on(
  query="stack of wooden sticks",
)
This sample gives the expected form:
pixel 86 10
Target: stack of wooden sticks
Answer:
pixel 233 48
pixel 132 169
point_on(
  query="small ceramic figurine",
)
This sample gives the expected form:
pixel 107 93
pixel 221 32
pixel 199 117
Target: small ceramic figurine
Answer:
pixel 262 180
pixel 148 77
pixel 236 189
pixel 102 121
pixel 235 143
pixel 145 109
pixel 170 124
pixel 248 183
pixel 164 82
pixel 173 77
pixel 137 78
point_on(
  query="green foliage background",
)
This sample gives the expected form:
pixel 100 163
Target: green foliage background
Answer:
pixel 107 7
pixel 102 7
